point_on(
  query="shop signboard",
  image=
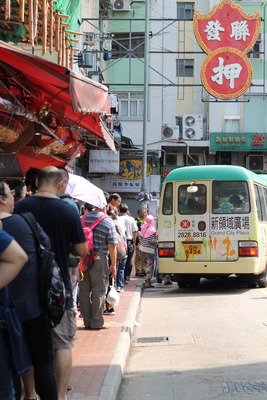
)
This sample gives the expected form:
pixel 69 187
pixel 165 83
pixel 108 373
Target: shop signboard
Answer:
pixel 226 34
pixel 104 161
pixel 113 184
pixel 246 142
pixel 132 170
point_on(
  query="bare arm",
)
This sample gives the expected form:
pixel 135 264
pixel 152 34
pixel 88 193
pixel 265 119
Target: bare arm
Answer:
pixel 74 277
pixel 12 260
pixel 79 249
pixel 113 258
pixel 134 237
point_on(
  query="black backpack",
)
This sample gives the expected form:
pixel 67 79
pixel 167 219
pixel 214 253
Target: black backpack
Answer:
pixel 52 292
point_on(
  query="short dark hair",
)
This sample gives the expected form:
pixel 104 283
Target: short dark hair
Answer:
pixel 17 185
pixel 88 206
pixel 2 189
pixel 114 196
pixel 123 208
pixel 53 177
pixel 30 178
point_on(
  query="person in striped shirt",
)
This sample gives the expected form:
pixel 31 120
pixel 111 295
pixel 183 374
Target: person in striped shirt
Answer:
pixel 147 247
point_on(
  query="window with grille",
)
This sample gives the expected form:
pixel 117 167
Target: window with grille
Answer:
pixel 128 44
pixel 185 67
pixel 185 11
pixel 131 104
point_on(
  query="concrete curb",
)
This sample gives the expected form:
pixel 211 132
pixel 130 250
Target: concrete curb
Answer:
pixel 114 374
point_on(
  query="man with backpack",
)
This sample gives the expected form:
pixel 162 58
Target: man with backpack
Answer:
pixel 62 223
pixel 24 292
pixel 93 287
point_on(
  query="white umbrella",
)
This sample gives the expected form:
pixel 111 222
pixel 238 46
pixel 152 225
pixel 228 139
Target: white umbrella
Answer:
pixel 81 189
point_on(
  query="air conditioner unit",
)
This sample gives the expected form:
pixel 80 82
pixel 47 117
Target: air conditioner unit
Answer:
pixel 255 162
pixel 121 5
pixel 173 160
pixel 194 159
pixel 192 127
pixel 170 132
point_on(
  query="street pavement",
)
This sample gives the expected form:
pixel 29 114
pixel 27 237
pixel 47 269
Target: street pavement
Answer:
pixel 99 357
pixel 199 344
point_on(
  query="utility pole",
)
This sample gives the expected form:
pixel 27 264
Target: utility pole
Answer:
pixel 144 180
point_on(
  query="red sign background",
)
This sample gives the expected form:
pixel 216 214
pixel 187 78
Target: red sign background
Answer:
pixel 226 13
pixel 230 56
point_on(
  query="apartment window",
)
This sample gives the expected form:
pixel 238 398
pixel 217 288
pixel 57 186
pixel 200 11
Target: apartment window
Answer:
pixel 131 104
pixel 185 11
pixel 185 67
pixel 126 44
pixel 256 49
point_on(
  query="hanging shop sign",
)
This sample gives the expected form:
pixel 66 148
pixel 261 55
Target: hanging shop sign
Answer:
pixel 104 161
pixel 132 169
pixel 112 184
pixel 226 34
pixel 247 142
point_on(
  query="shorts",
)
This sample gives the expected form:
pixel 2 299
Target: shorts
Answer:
pixel 63 333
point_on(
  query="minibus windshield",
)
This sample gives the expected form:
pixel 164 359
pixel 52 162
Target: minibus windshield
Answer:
pixel 230 197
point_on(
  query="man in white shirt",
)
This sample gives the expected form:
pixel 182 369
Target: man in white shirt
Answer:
pixel 131 232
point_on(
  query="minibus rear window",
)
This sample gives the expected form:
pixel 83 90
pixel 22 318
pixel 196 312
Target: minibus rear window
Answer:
pixel 192 203
pixel 167 199
pixel 230 197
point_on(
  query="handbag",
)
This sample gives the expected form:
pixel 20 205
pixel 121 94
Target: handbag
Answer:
pixel 16 336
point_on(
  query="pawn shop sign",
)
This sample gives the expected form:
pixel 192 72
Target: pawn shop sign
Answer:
pixel 226 34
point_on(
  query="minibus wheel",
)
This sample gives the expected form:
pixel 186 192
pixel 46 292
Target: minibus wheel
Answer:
pixel 182 280
pixel 182 284
pixel 251 284
pixel 262 281
pixel 194 282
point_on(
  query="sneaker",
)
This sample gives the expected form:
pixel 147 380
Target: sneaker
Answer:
pixel 120 289
pixel 109 311
pixel 127 278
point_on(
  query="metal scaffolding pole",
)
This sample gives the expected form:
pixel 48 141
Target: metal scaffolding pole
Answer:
pixel 144 180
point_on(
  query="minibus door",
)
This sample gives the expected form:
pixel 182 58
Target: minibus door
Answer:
pixel 192 221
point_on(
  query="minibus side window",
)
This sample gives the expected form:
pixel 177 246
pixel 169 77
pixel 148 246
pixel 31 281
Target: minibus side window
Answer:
pixel 260 202
pixel 192 203
pixel 167 200
pixel 263 203
pixel 230 197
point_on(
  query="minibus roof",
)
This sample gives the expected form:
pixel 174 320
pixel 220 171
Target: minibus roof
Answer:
pixel 215 172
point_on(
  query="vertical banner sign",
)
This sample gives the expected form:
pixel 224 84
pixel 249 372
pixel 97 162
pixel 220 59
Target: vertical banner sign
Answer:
pixel 226 34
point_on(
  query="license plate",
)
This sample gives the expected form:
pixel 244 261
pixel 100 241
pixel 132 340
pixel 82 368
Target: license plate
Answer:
pixel 192 249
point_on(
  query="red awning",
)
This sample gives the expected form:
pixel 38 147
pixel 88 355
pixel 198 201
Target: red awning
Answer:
pixel 67 93
pixel 27 159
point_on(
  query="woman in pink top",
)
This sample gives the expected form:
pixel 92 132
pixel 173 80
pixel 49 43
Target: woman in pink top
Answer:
pixel 147 248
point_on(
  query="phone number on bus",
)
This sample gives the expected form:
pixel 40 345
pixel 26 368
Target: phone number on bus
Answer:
pixel 190 234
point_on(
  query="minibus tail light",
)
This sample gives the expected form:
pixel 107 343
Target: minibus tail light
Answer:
pixel 248 248
pixel 166 249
